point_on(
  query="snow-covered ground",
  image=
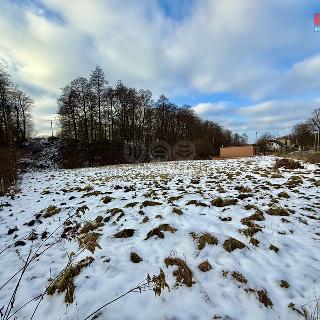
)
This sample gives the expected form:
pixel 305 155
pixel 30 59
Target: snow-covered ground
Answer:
pixel 273 273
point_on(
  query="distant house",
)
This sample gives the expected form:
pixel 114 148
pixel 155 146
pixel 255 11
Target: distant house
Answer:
pixel 239 151
pixel 280 145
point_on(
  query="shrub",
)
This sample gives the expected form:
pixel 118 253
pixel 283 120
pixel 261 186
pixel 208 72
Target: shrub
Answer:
pixel 288 164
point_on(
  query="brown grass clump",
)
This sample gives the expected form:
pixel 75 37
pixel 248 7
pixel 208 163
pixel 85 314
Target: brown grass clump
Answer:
pixel 65 282
pixel 174 198
pixel 277 211
pixel 294 182
pixel 177 211
pixel 219 202
pixel 106 199
pixel 32 236
pixel 284 284
pixel 145 220
pixel 89 241
pixel 90 194
pixel 232 244
pixel 92 225
pixel 262 296
pixel 196 203
pixel 283 195
pixel 264 299
pixel 114 211
pixel 203 239
pixel 243 196
pixel 251 231
pixel 243 189
pixel 183 274
pixel 131 204
pixel 87 188
pixel 135 258
pixel 274 248
pixel 125 233
pixel 148 203
pixel 159 231
pixel 257 216
pixel 82 209
pixel 288 164
pixel 204 266
pixel 255 242
pixel 239 277
pixel 50 211
pixel 159 283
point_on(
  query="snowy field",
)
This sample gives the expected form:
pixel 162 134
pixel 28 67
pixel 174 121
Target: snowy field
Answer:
pixel 236 239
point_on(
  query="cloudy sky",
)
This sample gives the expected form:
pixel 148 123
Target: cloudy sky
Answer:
pixel 252 65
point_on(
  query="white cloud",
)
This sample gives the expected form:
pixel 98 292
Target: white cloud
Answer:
pixel 261 50
pixel 274 115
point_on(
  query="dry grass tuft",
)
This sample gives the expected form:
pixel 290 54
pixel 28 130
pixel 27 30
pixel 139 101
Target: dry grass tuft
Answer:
pixel 82 209
pixel 203 239
pixel 251 231
pixel 278 211
pixel 65 282
pixel 284 284
pixel 114 211
pixel 204 266
pixel 196 203
pixel 135 258
pixel 274 248
pixel 50 211
pixel 220 202
pixel 264 299
pixel 89 241
pixel 183 274
pixel 148 203
pixel 106 199
pixel 177 211
pixel 159 231
pixel 131 204
pixel 92 225
pixel 243 189
pixel 239 277
pixel 283 195
pixel 262 296
pixel 125 233
pixel 159 283
pixel 232 244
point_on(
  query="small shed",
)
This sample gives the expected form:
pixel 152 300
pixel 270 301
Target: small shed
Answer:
pixel 239 151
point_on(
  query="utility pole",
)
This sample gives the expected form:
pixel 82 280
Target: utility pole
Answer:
pixel 256 137
pixel 51 130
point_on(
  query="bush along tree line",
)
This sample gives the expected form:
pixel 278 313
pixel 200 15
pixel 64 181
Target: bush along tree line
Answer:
pixel 98 120
pixel 15 127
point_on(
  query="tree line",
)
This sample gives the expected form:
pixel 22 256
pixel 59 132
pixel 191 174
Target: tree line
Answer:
pixel 15 112
pixel 15 127
pixel 94 113
pixel 303 133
